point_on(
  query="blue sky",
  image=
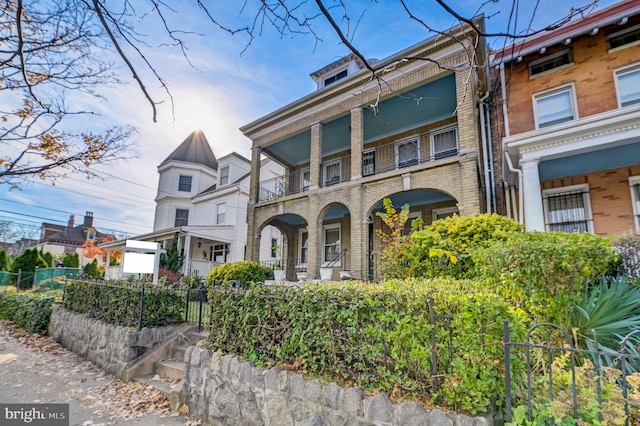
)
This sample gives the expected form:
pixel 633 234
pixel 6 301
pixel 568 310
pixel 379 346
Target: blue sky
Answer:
pixel 227 87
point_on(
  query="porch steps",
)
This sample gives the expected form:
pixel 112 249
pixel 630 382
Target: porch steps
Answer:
pixel 168 373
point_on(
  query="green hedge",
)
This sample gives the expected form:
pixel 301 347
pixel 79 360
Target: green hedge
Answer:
pixel 120 304
pixel 27 310
pixel 375 337
pixel 547 271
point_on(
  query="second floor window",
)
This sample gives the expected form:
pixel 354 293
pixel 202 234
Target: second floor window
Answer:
pixel 554 107
pixel 628 85
pixel 182 217
pixel 224 175
pixel 184 183
pixel 407 153
pixel 221 212
pixel 331 242
pixel 332 173
pixel 444 143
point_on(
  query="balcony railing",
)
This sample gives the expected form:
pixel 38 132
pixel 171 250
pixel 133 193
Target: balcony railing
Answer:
pixel 428 147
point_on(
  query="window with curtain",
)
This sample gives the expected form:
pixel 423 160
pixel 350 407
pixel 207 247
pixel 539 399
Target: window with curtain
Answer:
pixel 554 108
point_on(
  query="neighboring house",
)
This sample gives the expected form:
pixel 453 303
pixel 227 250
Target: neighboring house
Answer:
pixel 570 124
pixel 202 201
pixel 61 240
pixel 414 136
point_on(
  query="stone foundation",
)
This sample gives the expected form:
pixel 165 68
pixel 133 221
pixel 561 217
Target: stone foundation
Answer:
pixel 223 390
pixel 112 348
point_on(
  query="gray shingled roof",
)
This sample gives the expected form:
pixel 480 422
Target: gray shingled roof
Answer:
pixel 76 236
pixel 194 149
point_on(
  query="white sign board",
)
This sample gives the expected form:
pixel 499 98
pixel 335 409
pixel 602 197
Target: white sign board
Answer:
pixel 138 263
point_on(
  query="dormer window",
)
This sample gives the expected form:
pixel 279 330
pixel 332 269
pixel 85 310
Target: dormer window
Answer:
pixel 550 62
pixel 624 37
pixel 335 77
pixel 224 175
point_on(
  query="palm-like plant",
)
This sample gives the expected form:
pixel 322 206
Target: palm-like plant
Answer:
pixel 608 321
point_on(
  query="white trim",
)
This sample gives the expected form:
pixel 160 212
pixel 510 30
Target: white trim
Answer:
pixel 440 131
pixel 444 210
pixel 325 228
pixel 621 71
pixel 635 201
pixel 300 232
pixel 584 189
pixel 570 88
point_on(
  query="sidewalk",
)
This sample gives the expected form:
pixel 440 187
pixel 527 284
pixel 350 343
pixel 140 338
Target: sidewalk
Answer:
pixel 36 369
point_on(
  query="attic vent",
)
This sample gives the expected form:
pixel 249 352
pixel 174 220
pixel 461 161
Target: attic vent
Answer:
pixel 334 78
pixel 627 36
pixel 550 62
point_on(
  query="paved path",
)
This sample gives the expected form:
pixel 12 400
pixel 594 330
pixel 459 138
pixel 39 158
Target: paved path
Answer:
pixel 35 369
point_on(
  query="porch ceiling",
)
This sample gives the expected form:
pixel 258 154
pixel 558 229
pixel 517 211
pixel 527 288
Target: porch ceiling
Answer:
pixel 414 108
pixel 415 198
pixel 604 159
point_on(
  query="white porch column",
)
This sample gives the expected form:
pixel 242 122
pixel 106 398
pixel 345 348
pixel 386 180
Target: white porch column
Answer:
pixel 533 210
pixel 187 255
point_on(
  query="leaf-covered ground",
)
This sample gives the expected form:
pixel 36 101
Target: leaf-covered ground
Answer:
pixel 35 368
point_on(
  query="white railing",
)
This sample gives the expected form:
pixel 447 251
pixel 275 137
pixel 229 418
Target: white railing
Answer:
pixel 200 268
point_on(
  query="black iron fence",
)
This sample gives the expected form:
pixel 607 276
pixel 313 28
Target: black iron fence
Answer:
pixel 566 384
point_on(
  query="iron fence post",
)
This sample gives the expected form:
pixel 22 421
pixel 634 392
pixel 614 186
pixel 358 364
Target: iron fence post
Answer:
pixel 19 282
pixel 141 307
pixel 186 313
pixel 507 370
pixel 202 290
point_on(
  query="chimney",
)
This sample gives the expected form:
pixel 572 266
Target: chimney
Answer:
pixel 70 223
pixel 88 219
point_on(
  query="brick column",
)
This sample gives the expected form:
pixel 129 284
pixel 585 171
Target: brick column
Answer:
pixel 533 210
pixel 255 174
pixel 358 255
pixel 468 136
pixel 357 142
pixel 315 158
pixel 315 241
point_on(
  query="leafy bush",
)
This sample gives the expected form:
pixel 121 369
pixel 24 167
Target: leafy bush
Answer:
pixel 29 259
pixel 377 337
pixel 120 304
pixel 628 246
pixel 244 271
pixel 27 310
pixel 71 260
pixel 444 248
pixel 92 270
pixel 5 261
pixel 547 271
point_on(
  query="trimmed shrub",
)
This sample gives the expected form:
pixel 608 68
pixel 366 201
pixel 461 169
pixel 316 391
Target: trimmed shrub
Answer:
pixel 244 271
pixel 27 310
pixel 445 247
pixel 376 337
pixel 548 272
pixel 92 270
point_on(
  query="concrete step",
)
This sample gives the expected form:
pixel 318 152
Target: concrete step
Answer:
pixel 178 352
pixel 195 337
pixel 170 369
pixel 156 382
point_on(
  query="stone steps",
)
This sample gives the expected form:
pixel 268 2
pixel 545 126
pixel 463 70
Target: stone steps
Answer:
pixel 168 373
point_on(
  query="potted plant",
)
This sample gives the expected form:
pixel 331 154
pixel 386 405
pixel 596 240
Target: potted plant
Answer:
pixel 278 272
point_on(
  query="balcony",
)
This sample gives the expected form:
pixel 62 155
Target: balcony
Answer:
pixel 421 149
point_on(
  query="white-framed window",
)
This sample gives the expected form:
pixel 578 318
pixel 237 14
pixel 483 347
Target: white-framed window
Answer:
pixel 303 246
pixel 634 185
pixel 444 142
pixel 624 38
pixel 338 76
pixel 331 243
pixel 444 212
pixel 224 175
pixel 221 211
pixel 182 217
pixel 550 62
pixel 218 253
pixel 184 183
pixel 568 209
pixel 555 106
pixel 274 248
pixel 406 229
pixel 305 181
pixel 628 85
pixel 407 153
pixel 332 173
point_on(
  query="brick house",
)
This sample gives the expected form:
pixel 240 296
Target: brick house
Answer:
pixel 414 136
pixel 568 124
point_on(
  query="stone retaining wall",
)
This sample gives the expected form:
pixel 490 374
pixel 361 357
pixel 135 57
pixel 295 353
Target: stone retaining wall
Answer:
pixel 223 390
pixel 112 348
